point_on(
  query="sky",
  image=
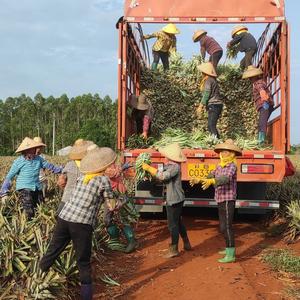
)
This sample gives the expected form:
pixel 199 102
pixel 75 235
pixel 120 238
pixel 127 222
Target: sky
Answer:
pixel 56 47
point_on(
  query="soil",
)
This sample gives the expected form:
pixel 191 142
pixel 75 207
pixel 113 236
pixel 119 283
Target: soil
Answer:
pixel 146 274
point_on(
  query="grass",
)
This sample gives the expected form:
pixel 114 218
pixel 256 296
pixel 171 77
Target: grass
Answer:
pixel 293 292
pixel 282 260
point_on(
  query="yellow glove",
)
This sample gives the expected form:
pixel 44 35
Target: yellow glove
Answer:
pixel 194 181
pixel 206 183
pixel 149 169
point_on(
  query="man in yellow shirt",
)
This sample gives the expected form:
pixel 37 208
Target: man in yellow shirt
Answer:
pixel 164 45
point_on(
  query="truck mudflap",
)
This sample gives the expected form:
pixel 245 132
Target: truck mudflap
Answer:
pixel 189 202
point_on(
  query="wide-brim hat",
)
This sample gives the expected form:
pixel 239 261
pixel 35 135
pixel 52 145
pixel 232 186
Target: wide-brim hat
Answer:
pixel 38 139
pixel 252 72
pixel 173 152
pixel 208 69
pixel 79 149
pixel 29 143
pixel 228 145
pixel 198 34
pixel 171 28
pixel 238 28
pixel 97 160
pixel 140 102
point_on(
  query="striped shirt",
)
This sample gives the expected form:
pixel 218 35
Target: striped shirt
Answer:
pixel 28 171
pixel 257 87
pixel 85 202
pixel 210 44
pixel 164 42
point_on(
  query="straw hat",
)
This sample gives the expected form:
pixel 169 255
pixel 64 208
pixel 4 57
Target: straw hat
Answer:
pixel 140 102
pixel 29 143
pixel 252 72
pixel 208 69
pixel 173 152
pixel 238 28
pixel 79 149
pixel 38 139
pixel 228 145
pixel 171 28
pixel 97 160
pixel 198 34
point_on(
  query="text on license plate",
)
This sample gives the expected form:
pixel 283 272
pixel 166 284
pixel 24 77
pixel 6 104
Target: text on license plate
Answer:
pixel 199 170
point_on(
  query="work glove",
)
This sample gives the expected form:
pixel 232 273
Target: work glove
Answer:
pixel 206 183
pixel 194 181
pixel 199 110
pixel 5 187
pixel 126 166
pixel 149 169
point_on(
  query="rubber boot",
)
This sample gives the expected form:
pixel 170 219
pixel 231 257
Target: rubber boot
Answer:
pixel 229 257
pixel 86 292
pixel 132 243
pixel 154 66
pixel 172 252
pixel 113 232
pixel 261 137
pixel 186 244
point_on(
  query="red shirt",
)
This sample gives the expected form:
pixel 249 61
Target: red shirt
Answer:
pixel 210 44
pixel 258 86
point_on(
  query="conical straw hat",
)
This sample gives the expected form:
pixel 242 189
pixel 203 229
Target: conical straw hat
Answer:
pixel 238 28
pixel 28 143
pixel 171 28
pixel 198 34
pixel 38 139
pixel 173 152
pixel 228 145
pixel 79 149
pixel 97 160
pixel 140 102
pixel 252 72
pixel 208 69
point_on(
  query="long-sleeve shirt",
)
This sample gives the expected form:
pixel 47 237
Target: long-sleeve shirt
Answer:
pixel 226 182
pixel 245 40
pixel 164 42
pixel 85 202
pixel 28 171
pixel 143 118
pixel 211 92
pixel 210 45
pixel 261 94
pixel 171 176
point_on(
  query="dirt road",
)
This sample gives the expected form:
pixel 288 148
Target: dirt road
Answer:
pixel 145 274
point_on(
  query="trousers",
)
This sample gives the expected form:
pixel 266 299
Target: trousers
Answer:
pixel 226 213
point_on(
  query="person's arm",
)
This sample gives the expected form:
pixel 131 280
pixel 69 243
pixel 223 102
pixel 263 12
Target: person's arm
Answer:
pixel 48 166
pixel 224 179
pixel 237 38
pixel 203 52
pixel 206 93
pixel 146 125
pixel 169 172
pixel 150 36
pixel 173 45
pixel 14 170
pixel 108 194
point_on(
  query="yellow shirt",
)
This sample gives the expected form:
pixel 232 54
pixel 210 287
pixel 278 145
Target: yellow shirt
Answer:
pixel 164 42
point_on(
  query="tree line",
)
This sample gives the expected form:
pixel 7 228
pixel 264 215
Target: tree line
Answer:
pixel 87 116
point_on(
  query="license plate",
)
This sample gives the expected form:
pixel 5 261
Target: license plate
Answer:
pixel 200 170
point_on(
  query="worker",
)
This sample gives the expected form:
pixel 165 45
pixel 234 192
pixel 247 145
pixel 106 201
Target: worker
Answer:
pixel 210 45
pixel 115 174
pixel 142 114
pixel 164 45
pixel 212 100
pixel 171 176
pixel 27 169
pixel 70 173
pixel 224 180
pixel 246 43
pixel 262 98
pixel 78 217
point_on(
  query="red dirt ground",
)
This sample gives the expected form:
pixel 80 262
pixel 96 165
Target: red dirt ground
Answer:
pixel 196 274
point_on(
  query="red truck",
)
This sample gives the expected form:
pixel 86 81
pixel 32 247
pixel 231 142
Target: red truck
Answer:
pixel 255 168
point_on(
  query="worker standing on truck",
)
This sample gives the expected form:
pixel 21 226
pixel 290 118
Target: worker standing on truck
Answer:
pixel 210 45
pixel 246 43
pixel 142 114
pixel 164 45
pixel 70 173
pixel 27 170
pixel 78 217
pixel 262 98
pixel 115 174
pixel 211 98
pixel 171 176
pixel 224 179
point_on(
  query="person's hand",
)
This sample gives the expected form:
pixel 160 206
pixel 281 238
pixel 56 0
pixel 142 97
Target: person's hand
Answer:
pixel 126 166
pixel 149 169
pixel 206 183
pixel 62 181
pixel 144 135
pixel 199 110
pixel 194 181
pixel 111 204
pixel 228 45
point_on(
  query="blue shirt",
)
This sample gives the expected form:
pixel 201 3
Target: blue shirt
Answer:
pixel 27 172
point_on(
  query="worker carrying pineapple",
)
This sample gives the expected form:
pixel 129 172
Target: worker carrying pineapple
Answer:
pixel 262 98
pixel 142 114
pixel 224 180
pixel 245 42
pixel 210 45
pixel 164 45
pixel 212 100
